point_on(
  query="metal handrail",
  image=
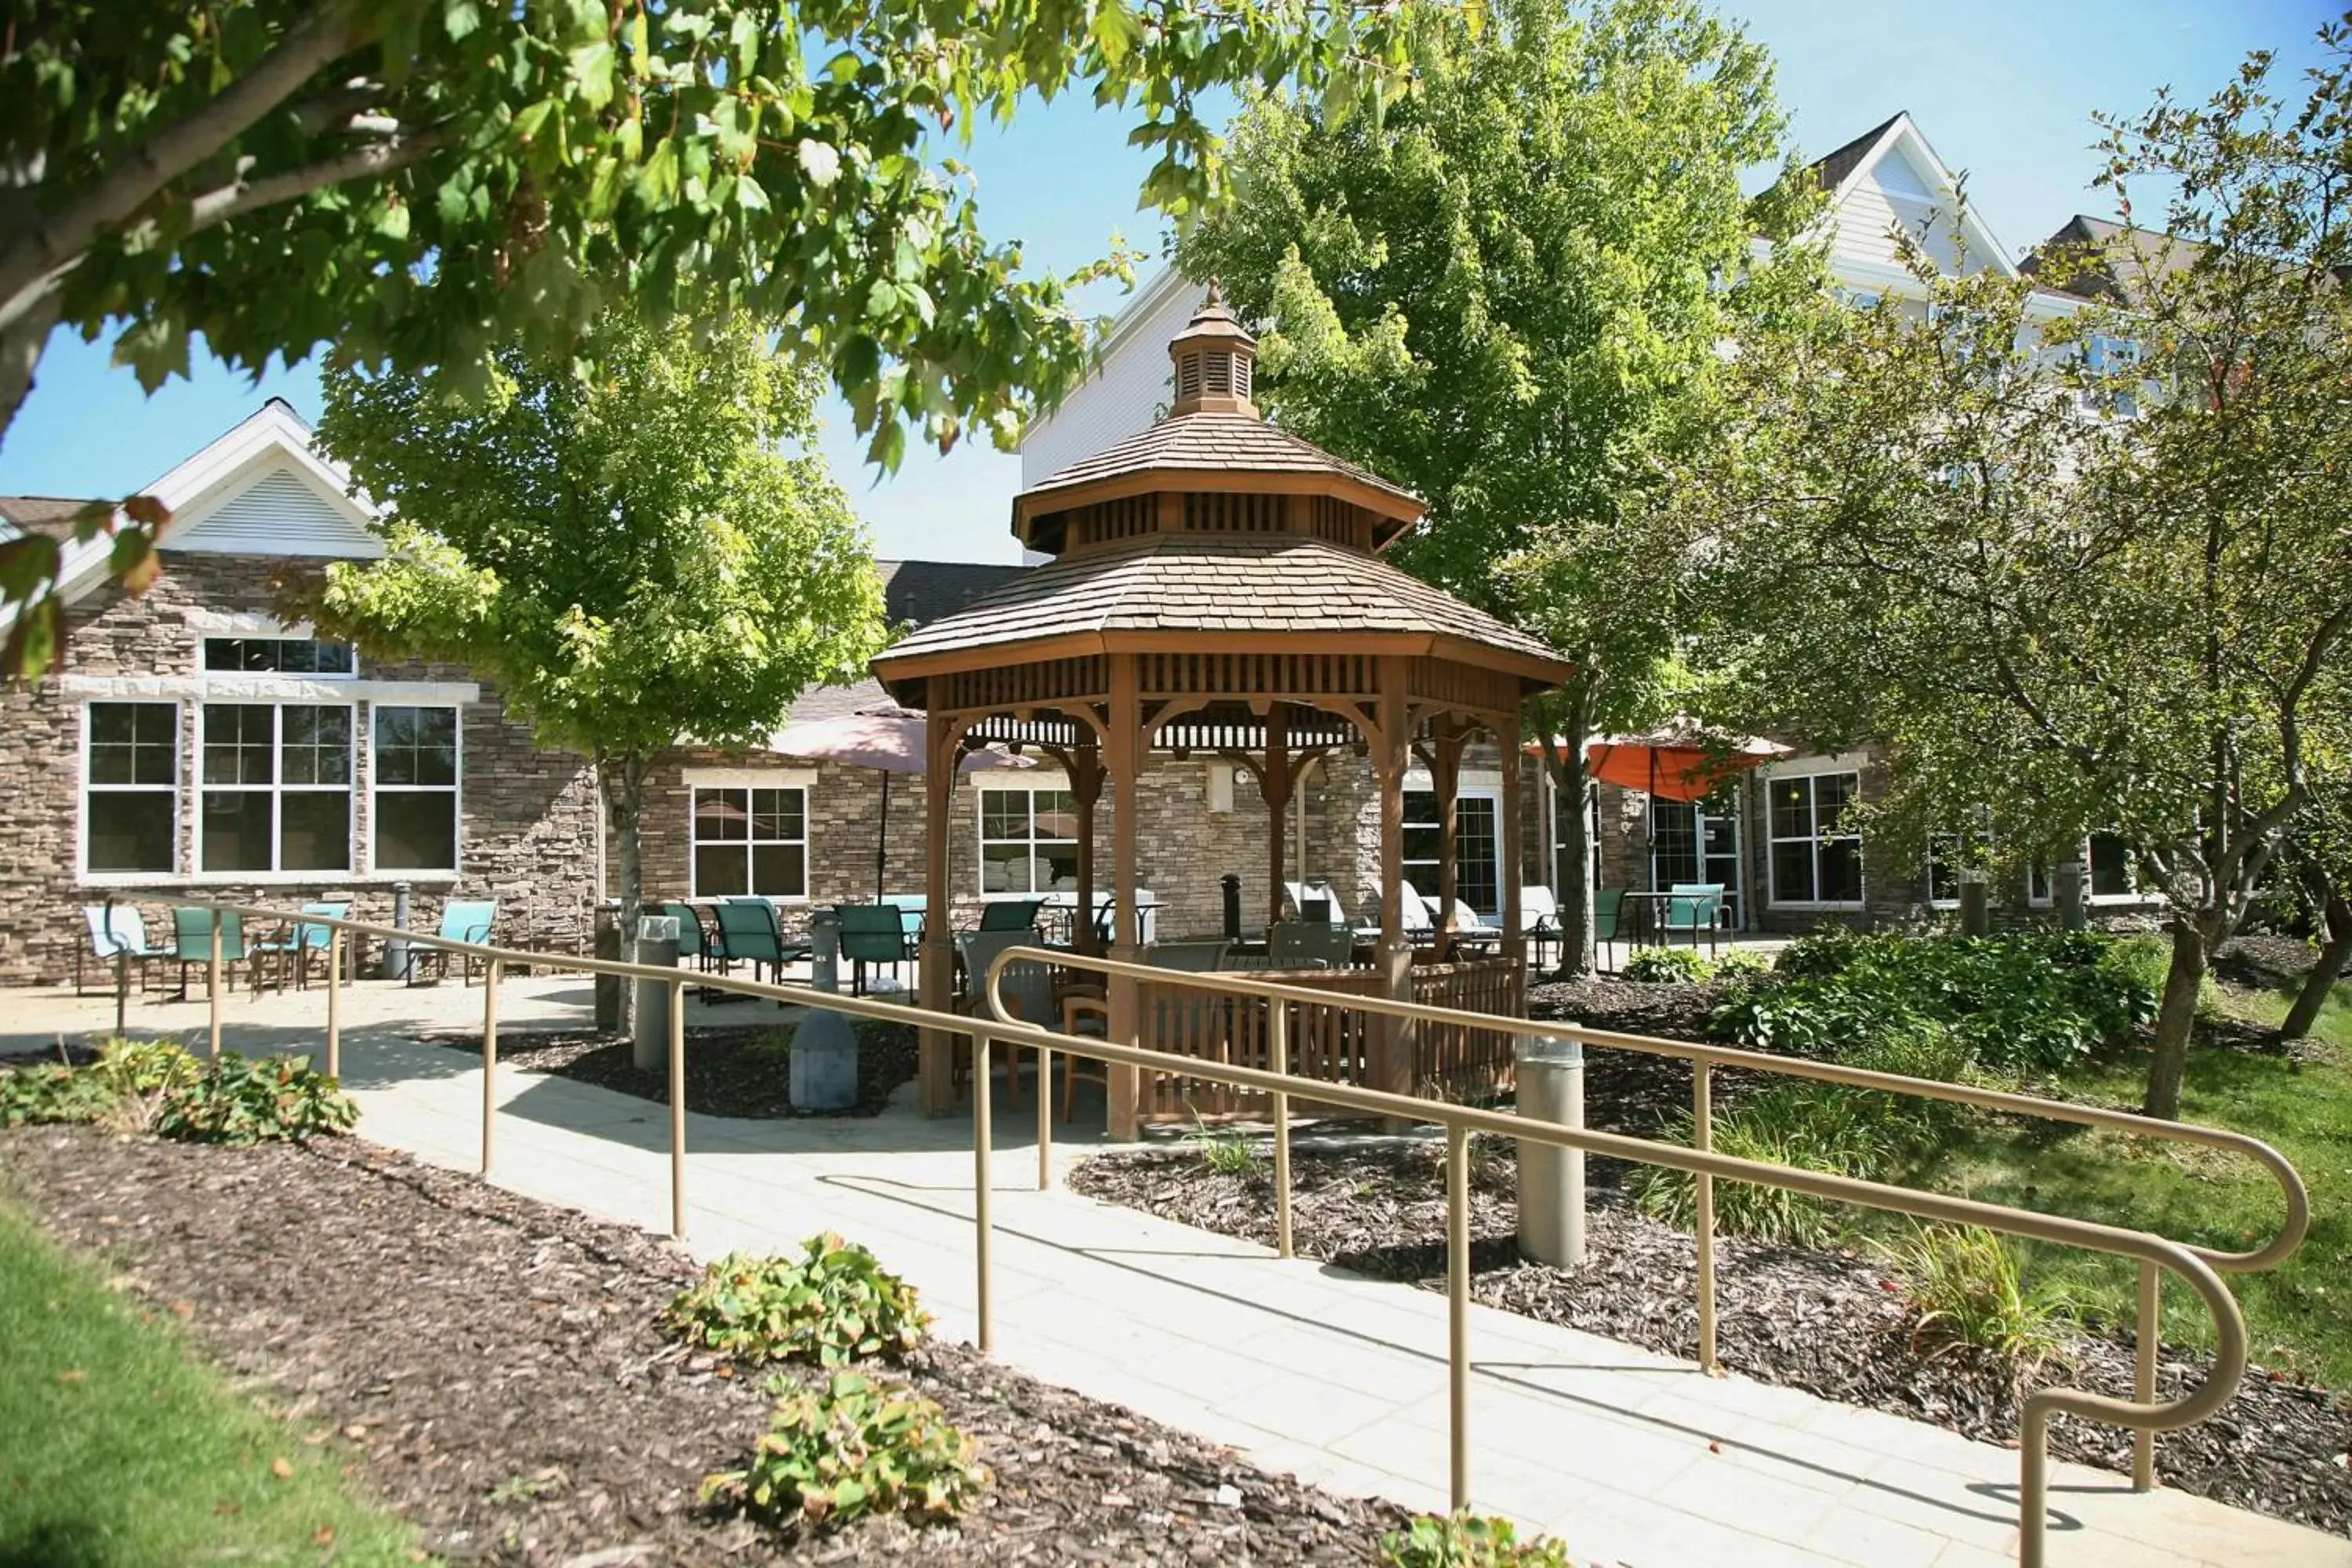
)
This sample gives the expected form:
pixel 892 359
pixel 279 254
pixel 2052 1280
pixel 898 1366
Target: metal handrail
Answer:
pixel 2154 1252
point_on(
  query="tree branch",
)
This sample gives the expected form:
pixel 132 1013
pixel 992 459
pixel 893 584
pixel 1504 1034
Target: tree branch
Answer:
pixel 308 47
pixel 377 159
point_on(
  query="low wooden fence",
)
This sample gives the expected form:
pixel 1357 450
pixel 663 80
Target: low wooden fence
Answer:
pixel 1334 1043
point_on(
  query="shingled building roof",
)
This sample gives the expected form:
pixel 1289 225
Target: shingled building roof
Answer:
pixel 1256 584
pixel 1210 443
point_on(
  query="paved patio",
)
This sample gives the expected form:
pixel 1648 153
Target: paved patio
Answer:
pixel 1635 1458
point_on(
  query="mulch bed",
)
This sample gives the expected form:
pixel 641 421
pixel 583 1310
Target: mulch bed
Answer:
pixel 491 1368
pixel 1827 1323
pixel 741 1071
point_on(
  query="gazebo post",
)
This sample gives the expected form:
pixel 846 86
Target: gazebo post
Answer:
pixel 1391 748
pixel 1506 737
pixel 936 1052
pixel 1275 783
pixel 1086 789
pixel 1125 746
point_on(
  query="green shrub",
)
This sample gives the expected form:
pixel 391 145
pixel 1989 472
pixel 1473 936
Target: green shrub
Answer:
pixel 1742 963
pixel 1467 1540
pixel 1667 966
pixel 241 1102
pixel 833 1304
pixel 1966 1285
pixel 146 1067
pixel 852 1448
pixel 1811 1126
pixel 1229 1153
pixel 50 1092
pixel 2020 1002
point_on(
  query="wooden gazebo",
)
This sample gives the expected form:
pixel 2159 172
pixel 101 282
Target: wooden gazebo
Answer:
pixel 1217 589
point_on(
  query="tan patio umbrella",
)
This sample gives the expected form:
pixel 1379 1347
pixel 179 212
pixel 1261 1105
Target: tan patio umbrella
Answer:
pixel 889 740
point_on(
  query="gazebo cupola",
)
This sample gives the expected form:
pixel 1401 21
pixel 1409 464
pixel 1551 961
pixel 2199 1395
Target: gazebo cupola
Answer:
pixel 1214 357
pixel 1217 589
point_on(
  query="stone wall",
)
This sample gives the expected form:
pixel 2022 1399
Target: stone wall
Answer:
pixel 529 833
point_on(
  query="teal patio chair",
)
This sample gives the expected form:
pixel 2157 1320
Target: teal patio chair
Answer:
pixel 749 933
pixel 871 934
pixel 1010 914
pixel 692 942
pixel 462 919
pixel 293 950
pixel 192 945
pixel 1694 907
pixel 117 933
pixel 1608 919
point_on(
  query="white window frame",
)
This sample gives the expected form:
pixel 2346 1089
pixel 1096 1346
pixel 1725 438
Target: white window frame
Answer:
pixel 1011 781
pixel 176 789
pixel 1809 769
pixel 277 789
pixel 1488 788
pixel 454 789
pixel 2048 898
pixel 795 782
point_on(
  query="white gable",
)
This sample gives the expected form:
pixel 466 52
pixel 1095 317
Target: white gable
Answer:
pixel 274 508
pixel 1901 182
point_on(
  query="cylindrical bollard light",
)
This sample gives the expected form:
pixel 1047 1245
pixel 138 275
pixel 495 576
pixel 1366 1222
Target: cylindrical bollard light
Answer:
pixel 396 948
pixel 1551 1180
pixel 656 945
pixel 824 1071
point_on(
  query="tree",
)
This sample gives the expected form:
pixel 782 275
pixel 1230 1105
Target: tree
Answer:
pixel 416 181
pixel 626 555
pixel 1508 293
pixel 2318 852
pixel 2085 568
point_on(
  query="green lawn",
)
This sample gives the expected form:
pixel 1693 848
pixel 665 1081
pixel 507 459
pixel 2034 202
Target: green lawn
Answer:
pixel 2300 1315
pixel 118 1448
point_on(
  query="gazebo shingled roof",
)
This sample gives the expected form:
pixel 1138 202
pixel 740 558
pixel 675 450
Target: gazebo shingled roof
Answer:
pixel 1218 584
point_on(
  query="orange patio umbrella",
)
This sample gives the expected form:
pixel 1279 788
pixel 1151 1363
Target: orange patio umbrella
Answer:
pixel 1677 761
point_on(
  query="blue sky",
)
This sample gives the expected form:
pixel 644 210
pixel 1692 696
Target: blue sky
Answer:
pixel 2003 89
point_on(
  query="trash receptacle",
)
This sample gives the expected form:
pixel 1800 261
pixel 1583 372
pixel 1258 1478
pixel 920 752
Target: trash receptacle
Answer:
pixel 649 1025
pixel 1551 1179
pixel 608 986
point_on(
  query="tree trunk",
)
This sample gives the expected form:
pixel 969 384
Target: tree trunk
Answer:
pixel 624 783
pixel 1575 782
pixel 2334 952
pixel 2176 1019
pixel 21 344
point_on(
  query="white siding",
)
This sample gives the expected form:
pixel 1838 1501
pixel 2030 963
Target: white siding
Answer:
pixel 1129 393
pixel 276 511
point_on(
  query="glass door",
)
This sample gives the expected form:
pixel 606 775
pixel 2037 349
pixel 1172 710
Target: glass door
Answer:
pixel 1698 841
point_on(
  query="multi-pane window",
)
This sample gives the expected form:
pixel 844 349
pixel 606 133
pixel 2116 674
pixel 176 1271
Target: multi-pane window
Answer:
pixel 131 808
pixel 414 802
pixel 1028 840
pixel 275 788
pixel 278 655
pixel 1813 861
pixel 1476 859
pixel 751 841
pixel 2111 866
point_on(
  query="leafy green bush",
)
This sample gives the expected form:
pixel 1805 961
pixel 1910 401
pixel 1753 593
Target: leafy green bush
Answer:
pixel 50 1092
pixel 1467 1540
pixel 241 1102
pixel 1811 1126
pixel 1742 963
pixel 1967 1287
pixel 146 1067
pixel 1667 966
pixel 2020 1001
pixel 852 1448
pixel 833 1304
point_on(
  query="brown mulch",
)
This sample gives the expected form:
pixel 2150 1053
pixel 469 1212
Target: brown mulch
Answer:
pixel 2265 959
pixel 1830 1323
pixel 742 1071
pixel 491 1367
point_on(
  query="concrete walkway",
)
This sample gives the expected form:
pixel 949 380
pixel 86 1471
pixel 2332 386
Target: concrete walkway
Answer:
pixel 1635 1457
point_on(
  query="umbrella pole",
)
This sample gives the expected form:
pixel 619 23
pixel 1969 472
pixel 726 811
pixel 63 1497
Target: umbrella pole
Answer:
pixel 882 840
